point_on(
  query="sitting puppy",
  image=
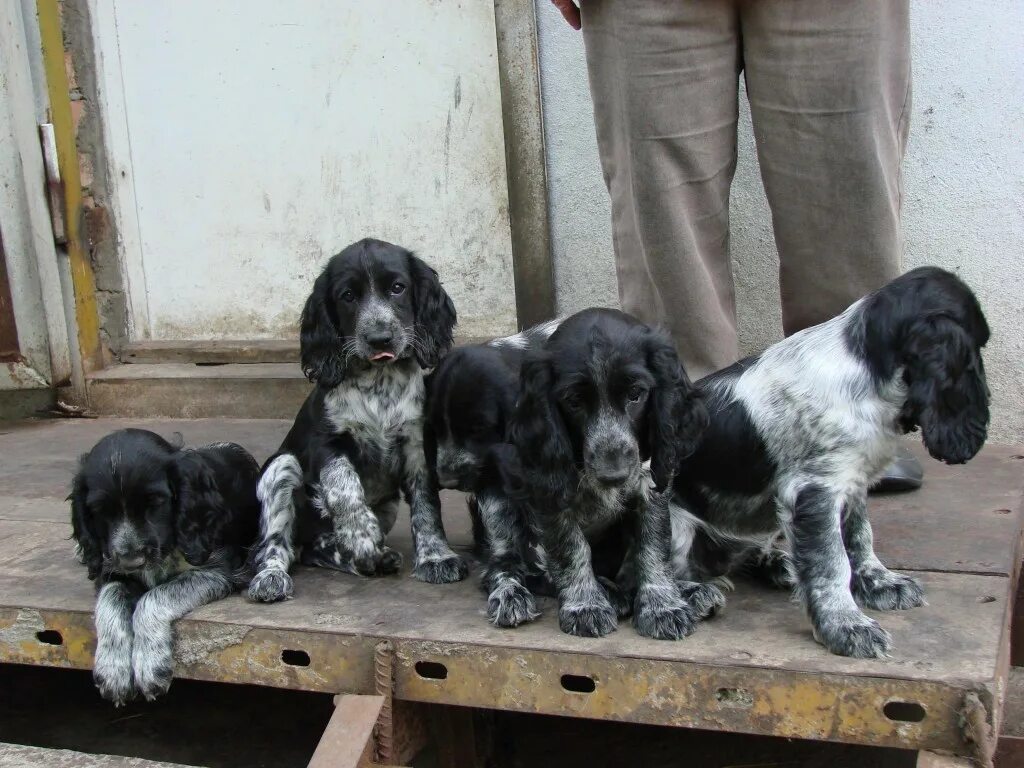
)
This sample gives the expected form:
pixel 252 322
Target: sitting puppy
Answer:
pixel 162 530
pixel 377 319
pixel 605 394
pixel 799 434
pixel 471 398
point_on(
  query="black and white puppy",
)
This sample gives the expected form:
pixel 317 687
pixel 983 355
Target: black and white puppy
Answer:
pixel 377 319
pixel 603 396
pixel 799 434
pixel 471 398
pixel 162 530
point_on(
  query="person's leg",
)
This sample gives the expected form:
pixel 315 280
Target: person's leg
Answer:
pixel 829 89
pixel 664 79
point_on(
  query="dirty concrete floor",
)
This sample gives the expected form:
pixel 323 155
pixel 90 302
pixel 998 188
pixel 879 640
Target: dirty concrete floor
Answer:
pixel 237 726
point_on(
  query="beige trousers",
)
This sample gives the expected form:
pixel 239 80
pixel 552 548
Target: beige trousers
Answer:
pixel 829 89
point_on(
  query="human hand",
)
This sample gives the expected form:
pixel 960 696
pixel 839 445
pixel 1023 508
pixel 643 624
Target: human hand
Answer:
pixel 570 11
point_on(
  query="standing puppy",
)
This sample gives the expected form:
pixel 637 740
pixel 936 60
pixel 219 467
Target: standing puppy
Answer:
pixel 604 395
pixel 799 434
pixel 162 531
pixel 472 396
pixel 376 320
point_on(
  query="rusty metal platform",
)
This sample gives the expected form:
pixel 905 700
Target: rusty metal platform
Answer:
pixel 755 669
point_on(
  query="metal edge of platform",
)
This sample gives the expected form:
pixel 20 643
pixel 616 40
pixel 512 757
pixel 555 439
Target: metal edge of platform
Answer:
pixel 842 708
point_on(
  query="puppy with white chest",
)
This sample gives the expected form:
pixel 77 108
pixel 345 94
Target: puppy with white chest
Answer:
pixel 603 396
pixel 471 398
pixel 798 435
pixel 162 531
pixel 376 321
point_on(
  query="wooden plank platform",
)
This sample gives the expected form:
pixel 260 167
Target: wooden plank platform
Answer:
pixel 755 669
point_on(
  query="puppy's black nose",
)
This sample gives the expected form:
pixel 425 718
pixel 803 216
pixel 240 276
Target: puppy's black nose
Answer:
pixel 131 562
pixel 379 339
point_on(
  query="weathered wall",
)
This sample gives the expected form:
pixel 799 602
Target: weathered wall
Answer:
pixel 964 182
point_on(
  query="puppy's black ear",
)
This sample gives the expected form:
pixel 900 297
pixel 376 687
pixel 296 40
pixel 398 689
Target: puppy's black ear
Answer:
pixel 502 469
pixel 434 314
pixel 89 549
pixel 538 431
pixel 947 392
pixel 201 510
pixel 322 351
pixel 677 416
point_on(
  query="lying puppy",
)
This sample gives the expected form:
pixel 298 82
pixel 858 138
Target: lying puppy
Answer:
pixel 472 396
pixel 376 320
pixel 605 394
pixel 799 434
pixel 162 530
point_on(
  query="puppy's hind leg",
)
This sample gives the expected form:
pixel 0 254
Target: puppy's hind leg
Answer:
pixel 874 585
pixel 509 602
pixel 272 556
pixel 112 668
pixel 153 653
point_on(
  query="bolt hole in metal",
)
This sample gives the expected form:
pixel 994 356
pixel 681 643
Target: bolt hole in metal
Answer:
pixel 50 637
pixel 986 599
pixel 739 698
pixel 904 711
pixel 431 670
pixel 295 658
pixel 578 684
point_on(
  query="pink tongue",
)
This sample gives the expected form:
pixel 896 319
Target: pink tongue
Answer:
pixel 383 356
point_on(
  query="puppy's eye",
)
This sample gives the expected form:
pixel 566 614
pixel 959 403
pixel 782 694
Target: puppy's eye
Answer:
pixel 348 296
pixel 397 288
pixel 573 400
pixel 636 393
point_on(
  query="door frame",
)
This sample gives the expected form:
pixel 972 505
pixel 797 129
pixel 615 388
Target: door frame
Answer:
pixel 43 356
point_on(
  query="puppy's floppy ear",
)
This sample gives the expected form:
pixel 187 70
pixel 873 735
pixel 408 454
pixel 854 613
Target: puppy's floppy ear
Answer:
pixel 202 512
pixel 82 532
pixel 947 392
pixel 322 353
pixel 504 470
pixel 538 432
pixel 677 416
pixel 433 311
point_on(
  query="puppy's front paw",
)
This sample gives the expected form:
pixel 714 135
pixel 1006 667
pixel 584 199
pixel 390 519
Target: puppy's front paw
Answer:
pixel 112 673
pixel 390 562
pixel 595 618
pixel 511 604
pixel 153 664
pixel 441 569
pixel 362 550
pixel 663 615
pixel 270 585
pixel 885 590
pixel 851 633
pixel 705 599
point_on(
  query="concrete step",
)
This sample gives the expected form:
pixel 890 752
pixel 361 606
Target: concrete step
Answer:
pixel 191 391
pixel 209 352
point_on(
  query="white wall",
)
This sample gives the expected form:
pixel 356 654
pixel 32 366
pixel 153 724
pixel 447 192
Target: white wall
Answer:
pixel 964 182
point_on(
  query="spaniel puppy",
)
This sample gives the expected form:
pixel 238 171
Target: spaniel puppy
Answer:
pixel 799 434
pixel 602 397
pixel 162 530
pixel 377 319
pixel 471 398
